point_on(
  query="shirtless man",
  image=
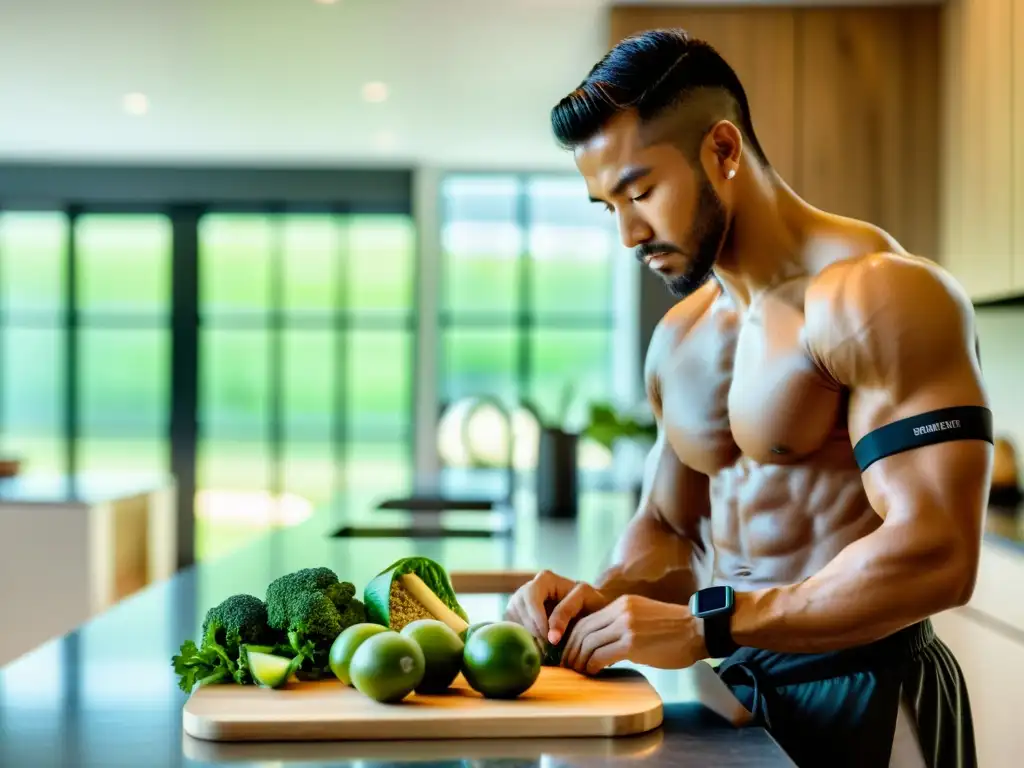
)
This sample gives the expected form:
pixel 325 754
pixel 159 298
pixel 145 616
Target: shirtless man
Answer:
pixel 818 484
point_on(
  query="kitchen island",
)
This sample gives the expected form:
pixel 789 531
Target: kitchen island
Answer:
pixel 108 537
pixel 105 695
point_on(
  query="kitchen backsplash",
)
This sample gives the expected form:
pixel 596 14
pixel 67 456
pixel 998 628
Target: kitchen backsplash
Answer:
pixel 1001 330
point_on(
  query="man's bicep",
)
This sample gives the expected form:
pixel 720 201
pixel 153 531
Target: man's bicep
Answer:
pixel 900 335
pixel 928 478
pixel 924 445
pixel 902 340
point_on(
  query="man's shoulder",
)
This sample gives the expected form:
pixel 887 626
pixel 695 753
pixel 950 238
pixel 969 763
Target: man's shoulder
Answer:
pixel 852 294
pixel 877 308
pixel 883 272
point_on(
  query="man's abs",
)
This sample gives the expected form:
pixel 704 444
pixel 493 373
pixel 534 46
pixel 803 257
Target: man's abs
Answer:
pixel 774 524
pixel 744 404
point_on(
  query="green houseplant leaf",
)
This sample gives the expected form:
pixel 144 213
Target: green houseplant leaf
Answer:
pixel 606 426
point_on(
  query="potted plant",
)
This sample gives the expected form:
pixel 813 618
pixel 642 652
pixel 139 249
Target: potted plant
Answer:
pixel 556 479
pixel 611 428
pixel 607 427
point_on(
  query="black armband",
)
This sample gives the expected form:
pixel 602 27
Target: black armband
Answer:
pixel 964 422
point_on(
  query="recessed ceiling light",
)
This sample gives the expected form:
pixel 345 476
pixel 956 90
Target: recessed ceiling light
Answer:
pixel 135 103
pixel 375 92
pixel 325 2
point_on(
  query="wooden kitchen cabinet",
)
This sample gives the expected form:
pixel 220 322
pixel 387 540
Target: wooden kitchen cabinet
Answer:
pixel 845 101
pixel 980 175
pixel 1017 12
pixel 951 193
pixel 903 116
pixel 759 43
pixel 869 107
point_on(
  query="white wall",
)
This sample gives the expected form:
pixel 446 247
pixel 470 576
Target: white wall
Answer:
pixel 1001 333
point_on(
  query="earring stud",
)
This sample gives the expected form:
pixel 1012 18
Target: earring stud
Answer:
pixel 731 173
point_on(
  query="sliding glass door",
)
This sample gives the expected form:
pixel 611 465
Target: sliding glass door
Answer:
pixel 249 332
pixel 255 332
pixel 33 338
pixel 85 339
pixel 122 296
pixel 306 352
pixel 528 300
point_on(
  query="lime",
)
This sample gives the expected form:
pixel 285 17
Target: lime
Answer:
pixel 442 650
pixel 501 660
pixel 345 645
pixel 468 631
pixel 387 667
pixel 268 670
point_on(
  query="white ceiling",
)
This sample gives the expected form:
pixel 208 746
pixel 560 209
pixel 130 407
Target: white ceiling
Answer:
pixel 470 82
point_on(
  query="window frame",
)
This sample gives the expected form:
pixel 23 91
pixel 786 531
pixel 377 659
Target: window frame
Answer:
pixel 185 194
pixel 620 320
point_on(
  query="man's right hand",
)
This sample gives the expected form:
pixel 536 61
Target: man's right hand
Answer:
pixel 568 600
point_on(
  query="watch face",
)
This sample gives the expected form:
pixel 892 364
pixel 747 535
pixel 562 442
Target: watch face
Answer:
pixel 712 599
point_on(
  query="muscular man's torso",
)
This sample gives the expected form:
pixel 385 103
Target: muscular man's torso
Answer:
pixel 743 403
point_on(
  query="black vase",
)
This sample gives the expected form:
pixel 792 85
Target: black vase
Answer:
pixel 557 490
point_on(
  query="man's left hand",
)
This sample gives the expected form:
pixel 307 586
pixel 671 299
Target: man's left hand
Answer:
pixel 636 629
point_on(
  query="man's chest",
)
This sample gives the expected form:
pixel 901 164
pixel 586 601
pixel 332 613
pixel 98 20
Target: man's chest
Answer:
pixel 747 386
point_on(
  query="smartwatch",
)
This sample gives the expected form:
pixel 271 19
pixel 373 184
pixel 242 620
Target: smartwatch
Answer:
pixel 715 606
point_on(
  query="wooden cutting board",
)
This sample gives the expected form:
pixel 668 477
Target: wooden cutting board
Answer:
pixel 562 703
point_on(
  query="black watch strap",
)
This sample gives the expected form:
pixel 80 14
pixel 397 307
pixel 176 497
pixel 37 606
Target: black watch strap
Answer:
pixel 718 636
pixel 715 606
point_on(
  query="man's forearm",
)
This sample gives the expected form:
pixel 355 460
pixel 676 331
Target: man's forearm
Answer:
pixel 653 561
pixel 888 580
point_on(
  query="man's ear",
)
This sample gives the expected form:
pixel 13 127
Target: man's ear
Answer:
pixel 721 151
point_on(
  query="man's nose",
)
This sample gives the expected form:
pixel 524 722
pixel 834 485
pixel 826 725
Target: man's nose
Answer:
pixel 633 229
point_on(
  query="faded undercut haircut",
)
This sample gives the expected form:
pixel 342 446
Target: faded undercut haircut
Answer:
pixel 679 86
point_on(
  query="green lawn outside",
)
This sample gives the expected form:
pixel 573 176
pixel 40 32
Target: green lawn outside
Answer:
pixel 124 277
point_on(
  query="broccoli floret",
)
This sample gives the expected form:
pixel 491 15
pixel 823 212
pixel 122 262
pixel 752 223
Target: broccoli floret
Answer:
pixel 238 620
pixel 353 613
pixel 341 594
pixel 303 614
pixel 313 607
pixel 313 616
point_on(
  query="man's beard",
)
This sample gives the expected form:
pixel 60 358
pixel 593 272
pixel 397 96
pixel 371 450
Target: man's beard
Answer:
pixel 710 226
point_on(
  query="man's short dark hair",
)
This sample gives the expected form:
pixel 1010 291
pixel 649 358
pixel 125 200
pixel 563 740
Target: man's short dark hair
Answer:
pixel 655 73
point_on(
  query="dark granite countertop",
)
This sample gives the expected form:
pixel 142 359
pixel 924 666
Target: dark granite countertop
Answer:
pixel 105 695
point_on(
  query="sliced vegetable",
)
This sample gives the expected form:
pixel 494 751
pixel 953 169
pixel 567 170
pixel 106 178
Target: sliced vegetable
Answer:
pixel 268 670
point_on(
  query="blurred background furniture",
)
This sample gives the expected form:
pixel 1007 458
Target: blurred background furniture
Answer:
pixel 70 548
